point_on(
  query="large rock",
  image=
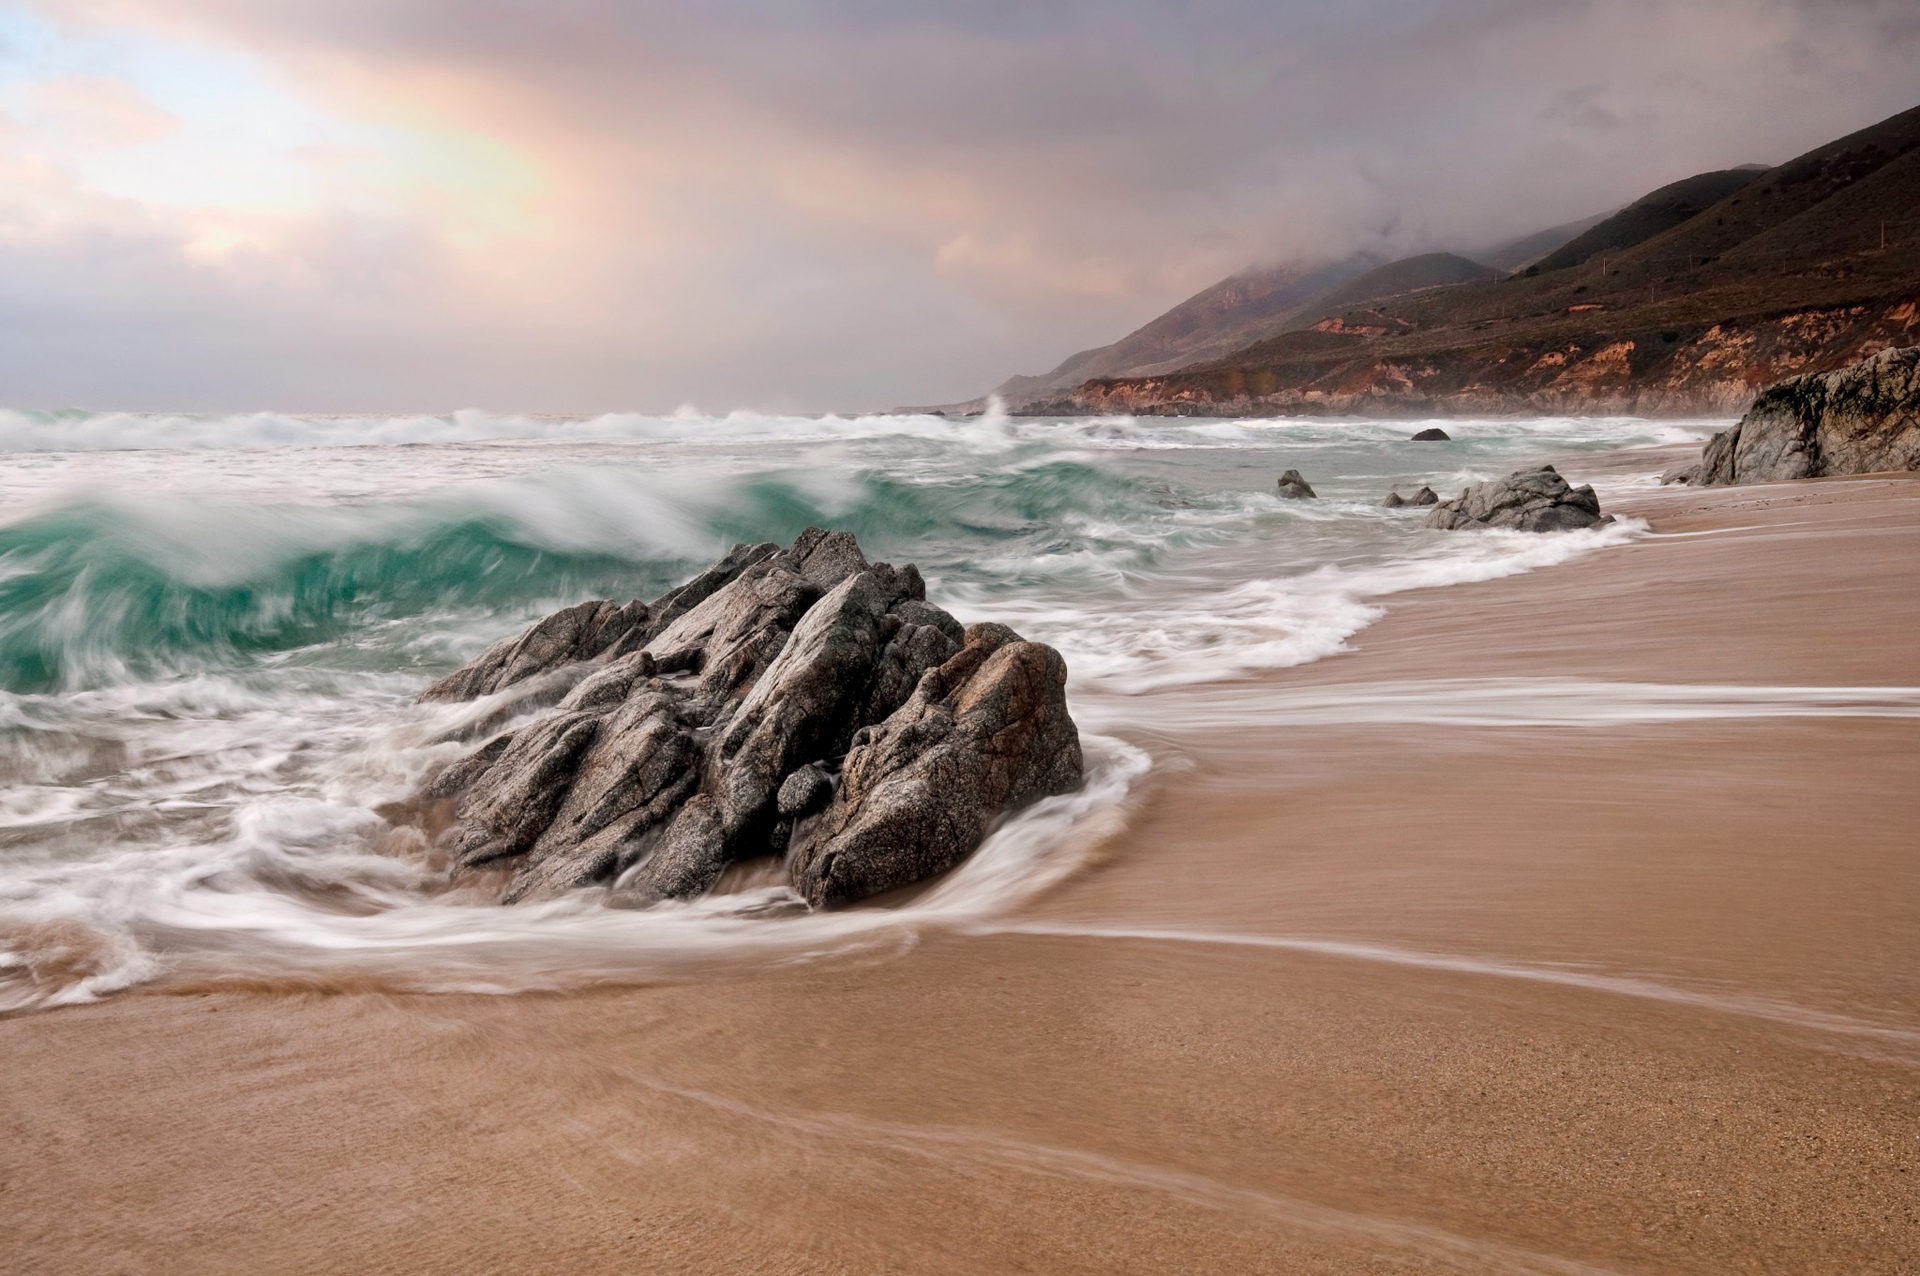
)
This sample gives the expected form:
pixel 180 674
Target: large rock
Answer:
pixel 1295 488
pixel 1862 419
pixel 986 731
pixel 1433 434
pixel 1537 500
pixel 708 727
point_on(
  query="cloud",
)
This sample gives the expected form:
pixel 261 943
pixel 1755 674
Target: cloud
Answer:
pixel 838 203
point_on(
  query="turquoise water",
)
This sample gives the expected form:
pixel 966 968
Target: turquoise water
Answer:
pixel 211 631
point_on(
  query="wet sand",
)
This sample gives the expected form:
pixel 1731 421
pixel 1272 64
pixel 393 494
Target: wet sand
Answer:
pixel 1629 996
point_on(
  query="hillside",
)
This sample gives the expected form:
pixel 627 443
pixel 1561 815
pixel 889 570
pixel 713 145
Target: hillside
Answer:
pixel 1516 254
pixel 1806 266
pixel 1395 279
pixel 1260 302
pixel 1651 214
pixel 1219 319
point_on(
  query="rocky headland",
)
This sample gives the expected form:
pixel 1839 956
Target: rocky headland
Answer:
pixel 801 703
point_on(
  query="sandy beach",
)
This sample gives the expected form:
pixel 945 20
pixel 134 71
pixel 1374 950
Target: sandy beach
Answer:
pixel 1625 990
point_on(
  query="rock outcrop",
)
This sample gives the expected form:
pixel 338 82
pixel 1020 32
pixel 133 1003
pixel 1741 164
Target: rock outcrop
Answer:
pixel 1425 496
pixel 1537 500
pixel 1860 419
pixel 1433 434
pixel 800 702
pixel 1295 488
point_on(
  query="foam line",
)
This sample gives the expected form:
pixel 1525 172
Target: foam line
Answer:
pixel 1506 702
pixel 946 1143
pixel 1616 985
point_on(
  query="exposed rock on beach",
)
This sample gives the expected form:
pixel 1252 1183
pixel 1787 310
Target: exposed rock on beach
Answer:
pixel 802 703
pixel 1536 500
pixel 1862 419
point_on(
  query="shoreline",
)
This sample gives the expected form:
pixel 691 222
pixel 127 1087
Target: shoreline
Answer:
pixel 1095 1092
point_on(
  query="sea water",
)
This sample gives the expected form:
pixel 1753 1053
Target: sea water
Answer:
pixel 212 631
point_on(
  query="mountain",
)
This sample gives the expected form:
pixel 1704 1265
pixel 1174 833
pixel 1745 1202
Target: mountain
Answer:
pixel 1803 267
pixel 1650 214
pixel 1395 279
pixel 1265 300
pixel 1516 254
pixel 1219 319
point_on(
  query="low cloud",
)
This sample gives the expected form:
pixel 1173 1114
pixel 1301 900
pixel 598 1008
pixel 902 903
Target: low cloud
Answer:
pixel 853 204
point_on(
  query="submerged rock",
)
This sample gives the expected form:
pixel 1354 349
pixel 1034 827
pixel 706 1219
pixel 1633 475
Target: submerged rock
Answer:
pixel 708 726
pixel 1536 500
pixel 1433 434
pixel 1295 488
pixel 1425 496
pixel 1862 419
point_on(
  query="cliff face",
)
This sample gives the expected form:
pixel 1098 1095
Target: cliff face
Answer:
pixel 1861 419
pixel 1642 369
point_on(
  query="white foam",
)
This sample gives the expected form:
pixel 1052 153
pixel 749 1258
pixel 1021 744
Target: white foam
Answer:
pixel 1504 702
pixel 1183 638
pixel 302 890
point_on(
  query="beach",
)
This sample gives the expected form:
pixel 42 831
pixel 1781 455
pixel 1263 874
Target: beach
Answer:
pixel 1416 975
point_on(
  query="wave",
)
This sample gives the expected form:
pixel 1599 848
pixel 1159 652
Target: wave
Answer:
pixel 74 430
pixel 110 587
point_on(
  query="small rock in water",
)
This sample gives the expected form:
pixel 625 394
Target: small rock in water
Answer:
pixel 1425 496
pixel 1433 434
pixel 1295 488
pixel 1536 500
pixel 703 728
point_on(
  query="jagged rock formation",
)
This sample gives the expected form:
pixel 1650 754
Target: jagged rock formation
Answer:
pixel 1294 487
pixel 710 726
pixel 1425 496
pixel 1860 419
pixel 1537 500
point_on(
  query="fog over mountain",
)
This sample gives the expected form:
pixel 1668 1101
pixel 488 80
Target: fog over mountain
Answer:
pixel 423 204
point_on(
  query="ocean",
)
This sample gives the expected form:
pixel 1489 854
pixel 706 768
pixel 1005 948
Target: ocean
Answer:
pixel 212 630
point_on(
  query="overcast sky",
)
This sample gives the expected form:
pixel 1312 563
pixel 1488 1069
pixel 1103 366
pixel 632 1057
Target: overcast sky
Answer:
pixel 585 205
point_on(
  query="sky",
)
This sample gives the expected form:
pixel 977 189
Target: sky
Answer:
pixel 577 206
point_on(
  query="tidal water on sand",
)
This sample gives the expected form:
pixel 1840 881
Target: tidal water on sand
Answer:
pixel 212 631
